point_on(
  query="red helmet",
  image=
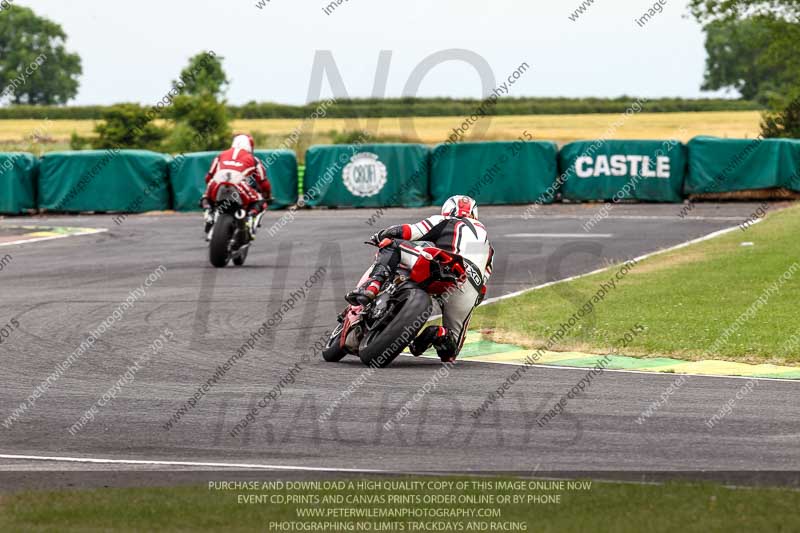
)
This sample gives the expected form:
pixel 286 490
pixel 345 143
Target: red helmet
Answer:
pixel 461 207
pixel 243 141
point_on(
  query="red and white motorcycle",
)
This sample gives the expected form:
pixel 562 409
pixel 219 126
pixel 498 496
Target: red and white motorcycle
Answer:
pixel 230 236
pixel 378 332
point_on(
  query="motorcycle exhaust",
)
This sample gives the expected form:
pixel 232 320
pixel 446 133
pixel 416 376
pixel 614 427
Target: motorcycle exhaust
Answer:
pixel 239 252
pixel 257 223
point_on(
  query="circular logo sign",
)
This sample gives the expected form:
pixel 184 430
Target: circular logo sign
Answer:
pixel 365 175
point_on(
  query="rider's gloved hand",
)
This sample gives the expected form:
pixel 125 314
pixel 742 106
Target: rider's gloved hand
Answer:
pixel 392 232
pixel 386 233
pixel 376 239
pixel 257 208
pixel 204 203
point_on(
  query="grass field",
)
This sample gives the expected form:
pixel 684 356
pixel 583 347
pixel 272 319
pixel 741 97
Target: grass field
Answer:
pixel 15 134
pixel 602 507
pixel 688 300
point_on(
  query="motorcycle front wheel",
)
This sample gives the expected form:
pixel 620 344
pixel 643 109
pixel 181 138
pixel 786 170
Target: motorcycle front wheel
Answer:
pixel 333 353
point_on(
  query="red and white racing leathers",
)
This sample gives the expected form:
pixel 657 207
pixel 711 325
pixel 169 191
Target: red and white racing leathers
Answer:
pixel 245 164
pixel 462 236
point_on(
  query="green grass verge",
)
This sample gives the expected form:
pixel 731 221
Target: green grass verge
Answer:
pixel 611 507
pixel 686 300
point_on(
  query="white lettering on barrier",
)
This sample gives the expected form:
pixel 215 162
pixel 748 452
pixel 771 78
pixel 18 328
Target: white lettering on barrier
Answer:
pixel 622 165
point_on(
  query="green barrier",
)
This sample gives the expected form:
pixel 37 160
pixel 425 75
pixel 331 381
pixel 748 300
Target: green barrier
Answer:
pixel 282 173
pixel 369 175
pixel 727 165
pixel 517 172
pixel 187 175
pixel 17 180
pixel 130 181
pixel 613 170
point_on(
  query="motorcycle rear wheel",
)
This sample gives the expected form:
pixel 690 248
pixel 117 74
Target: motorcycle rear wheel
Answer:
pixel 379 348
pixel 218 248
pixel 241 258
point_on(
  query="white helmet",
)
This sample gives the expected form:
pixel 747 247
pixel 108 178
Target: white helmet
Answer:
pixel 461 207
pixel 243 142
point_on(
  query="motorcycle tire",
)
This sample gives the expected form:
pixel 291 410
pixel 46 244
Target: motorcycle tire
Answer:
pixel 333 353
pixel 379 348
pixel 218 248
pixel 241 258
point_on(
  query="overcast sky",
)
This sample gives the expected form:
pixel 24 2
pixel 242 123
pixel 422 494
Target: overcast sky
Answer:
pixel 132 50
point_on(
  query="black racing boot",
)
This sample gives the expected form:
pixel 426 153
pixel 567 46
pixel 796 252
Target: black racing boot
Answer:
pixel 361 296
pixel 209 218
pixel 439 338
pixel 365 294
pixel 425 340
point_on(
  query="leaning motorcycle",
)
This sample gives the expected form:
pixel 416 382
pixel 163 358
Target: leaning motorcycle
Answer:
pixel 378 332
pixel 230 237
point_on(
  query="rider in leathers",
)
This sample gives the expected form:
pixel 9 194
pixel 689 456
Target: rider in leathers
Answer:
pixel 239 158
pixel 457 231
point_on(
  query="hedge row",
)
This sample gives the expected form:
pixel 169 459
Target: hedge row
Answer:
pixel 423 107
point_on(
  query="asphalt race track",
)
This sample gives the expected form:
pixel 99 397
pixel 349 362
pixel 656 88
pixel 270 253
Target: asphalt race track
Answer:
pixel 61 290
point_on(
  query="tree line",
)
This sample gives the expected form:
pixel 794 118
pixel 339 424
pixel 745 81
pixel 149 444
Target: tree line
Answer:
pixel 752 48
pixel 417 107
